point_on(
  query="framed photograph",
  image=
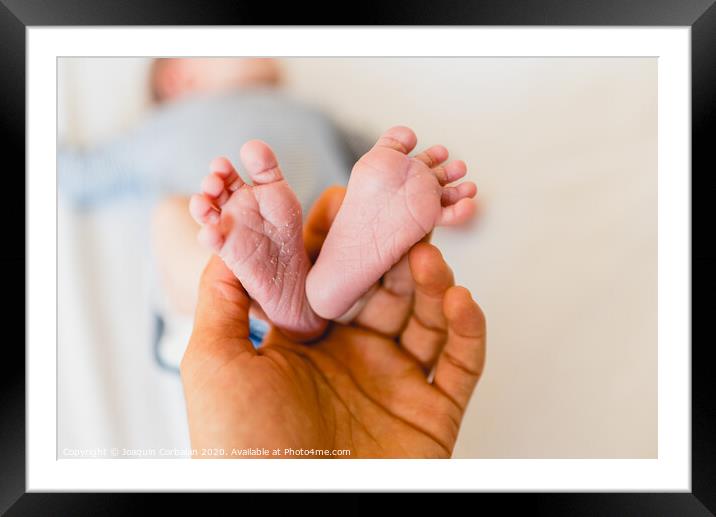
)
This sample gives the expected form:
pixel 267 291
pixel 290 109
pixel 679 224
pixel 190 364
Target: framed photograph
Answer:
pixel 344 253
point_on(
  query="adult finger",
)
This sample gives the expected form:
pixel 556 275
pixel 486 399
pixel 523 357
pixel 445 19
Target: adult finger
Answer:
pixel 385 308
pixel 222 316
pixel 426 330
pixel 320 218
pixel 461 361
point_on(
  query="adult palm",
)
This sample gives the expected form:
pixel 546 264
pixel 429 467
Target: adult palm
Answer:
pixel 393 383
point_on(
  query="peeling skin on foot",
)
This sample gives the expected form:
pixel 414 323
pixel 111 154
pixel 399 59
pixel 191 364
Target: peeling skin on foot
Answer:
pixel 262 243
pixel 392 202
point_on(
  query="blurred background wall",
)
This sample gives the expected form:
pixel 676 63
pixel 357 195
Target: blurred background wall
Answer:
pixel 562 259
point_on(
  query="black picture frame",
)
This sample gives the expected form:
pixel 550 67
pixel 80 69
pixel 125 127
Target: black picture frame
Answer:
pixel 700 15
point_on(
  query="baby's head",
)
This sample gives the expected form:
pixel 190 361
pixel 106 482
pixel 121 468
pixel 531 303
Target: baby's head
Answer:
pixel 171 78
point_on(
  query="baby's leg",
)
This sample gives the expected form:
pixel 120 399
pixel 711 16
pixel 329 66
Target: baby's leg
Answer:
pixel 179 257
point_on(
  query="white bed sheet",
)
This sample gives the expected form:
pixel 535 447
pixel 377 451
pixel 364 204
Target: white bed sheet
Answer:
pixel 563 259
pixel 112 391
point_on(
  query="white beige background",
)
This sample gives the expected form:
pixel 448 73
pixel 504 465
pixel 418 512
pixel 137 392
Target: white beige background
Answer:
pixel 563 258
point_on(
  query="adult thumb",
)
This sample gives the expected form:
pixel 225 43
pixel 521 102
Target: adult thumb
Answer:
pixel 222 312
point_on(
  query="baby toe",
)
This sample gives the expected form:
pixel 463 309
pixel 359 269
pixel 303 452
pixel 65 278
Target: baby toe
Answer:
pixel 450 172
pixel 399 138
pixel 452 195
pixel 210 237
pixel 213 185
pixel 433 156
pixel 224 168
pixel 458 213
pixel 202 209
pixel 260 162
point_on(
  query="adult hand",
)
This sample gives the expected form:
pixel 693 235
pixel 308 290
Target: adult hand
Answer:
pixel 395 383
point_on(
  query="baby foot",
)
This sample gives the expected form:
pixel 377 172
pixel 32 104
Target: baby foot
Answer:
pixel 393 200
pixel 257 231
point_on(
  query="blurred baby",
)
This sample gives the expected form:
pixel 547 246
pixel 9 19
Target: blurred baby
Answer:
pixel 205 106
pixel 201 108
pixel 393 201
